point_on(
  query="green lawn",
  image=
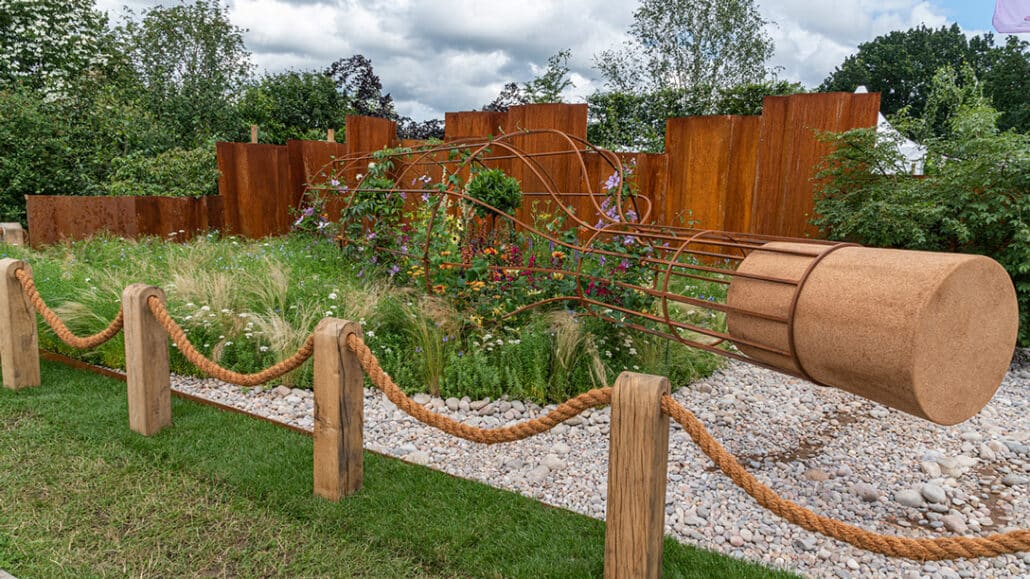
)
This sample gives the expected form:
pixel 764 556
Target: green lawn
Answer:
pixel 223 494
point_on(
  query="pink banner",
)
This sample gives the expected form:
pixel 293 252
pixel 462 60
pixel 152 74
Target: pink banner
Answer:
pixel 1012 16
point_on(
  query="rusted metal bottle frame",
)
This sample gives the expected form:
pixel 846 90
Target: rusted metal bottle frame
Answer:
pixel 670 252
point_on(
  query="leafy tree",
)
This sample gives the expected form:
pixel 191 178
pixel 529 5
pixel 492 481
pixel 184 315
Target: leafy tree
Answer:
pixel 679 44
pixel 51 44
pixel 360 86
pixel 546 88
pixel 293 105
pixel 425 130
pixel 549 86
pixel 1006 81
pixel 190 62
pixel 511 95
pixel 974 198
pixel 901 66
pixel 629 121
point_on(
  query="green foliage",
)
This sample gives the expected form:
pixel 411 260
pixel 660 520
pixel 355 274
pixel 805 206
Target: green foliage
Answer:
pixel 173 173
pixel 190 62
pixel 901 65
pixel 549 86
pixel 974 198
pixel 495 188
pixel 50 45
pixel 636 121
pixel 37 155
pixel 678 44
pixel 293 105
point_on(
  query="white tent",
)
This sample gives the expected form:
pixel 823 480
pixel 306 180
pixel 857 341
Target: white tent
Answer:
pixel 913 152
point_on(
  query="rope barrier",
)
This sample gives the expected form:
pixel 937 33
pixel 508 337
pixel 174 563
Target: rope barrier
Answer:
pixel 934 549
pixel 211 368
pixel 564 411
pixel 59 328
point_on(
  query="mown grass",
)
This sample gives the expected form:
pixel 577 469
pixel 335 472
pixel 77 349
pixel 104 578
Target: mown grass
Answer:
pixel 220 494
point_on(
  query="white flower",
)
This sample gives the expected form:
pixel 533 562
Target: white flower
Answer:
pixel 370 334
pixel 359 176
pixel 333 296
pixel 263 348
pixel 226 311
pixel 632 351
pixel 329 313
pixel 371 165
pixel 205 308
pixel 608 353
pixel 227 344
pixel 635 367
pixel 190 305
pixel 248 335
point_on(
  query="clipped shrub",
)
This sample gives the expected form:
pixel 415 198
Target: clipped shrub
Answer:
pixel 495 188
pixel 174 173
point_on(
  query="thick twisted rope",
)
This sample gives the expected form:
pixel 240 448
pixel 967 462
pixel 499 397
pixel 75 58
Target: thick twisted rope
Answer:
pixel 55 323
pixel 921 549
pixel 564 411
pixel 210 367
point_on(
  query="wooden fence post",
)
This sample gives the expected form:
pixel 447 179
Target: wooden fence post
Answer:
pixel 339 411
pixel 19 341
pixel 146 362
pixel 12 233
pixel 253 134
pixel 330 135
pixel 637 460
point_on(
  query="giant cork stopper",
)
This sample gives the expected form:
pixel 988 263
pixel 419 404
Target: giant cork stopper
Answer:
pixel 930 334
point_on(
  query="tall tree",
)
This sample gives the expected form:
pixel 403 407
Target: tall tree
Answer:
pixel 680 44
pixel 191 63
pixel 50 44
pixel 360 86
pixel 552 82
pixel 293 105
pixel 901 66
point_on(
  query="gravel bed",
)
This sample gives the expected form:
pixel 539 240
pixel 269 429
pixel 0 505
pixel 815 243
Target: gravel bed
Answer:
pixel 835 453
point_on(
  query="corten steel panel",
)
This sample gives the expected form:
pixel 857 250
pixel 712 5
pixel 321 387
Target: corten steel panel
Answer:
pixel 740 184
pixel 252 183
pixel 367 135
pixel 60 218
pixel 563 173
pixel 311 162
pixel 474 124
pixel 53 218
pixel 789 151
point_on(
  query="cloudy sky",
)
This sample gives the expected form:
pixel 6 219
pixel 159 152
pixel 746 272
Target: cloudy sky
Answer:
pixel 448 55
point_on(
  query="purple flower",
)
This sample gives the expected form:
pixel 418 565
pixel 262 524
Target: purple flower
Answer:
pixel 425 197
pixel 308 212
pixel 334 183
pixel 298 221
pixel 371 236
pixel 394 269
pixel 629 240
pixel 613 181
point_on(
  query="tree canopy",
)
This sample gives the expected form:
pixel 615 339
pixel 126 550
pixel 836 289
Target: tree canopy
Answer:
pixel 680 44
pixel 901 66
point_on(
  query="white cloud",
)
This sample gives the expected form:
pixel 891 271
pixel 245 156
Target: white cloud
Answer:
pixel 449 55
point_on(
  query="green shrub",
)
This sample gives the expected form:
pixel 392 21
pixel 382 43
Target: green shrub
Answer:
pixel 973 199
pixel 173 173
pixel 495 188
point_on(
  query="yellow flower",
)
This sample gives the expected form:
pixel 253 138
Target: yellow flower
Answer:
pixel 498 311
pixel 476 320
pixel 557 275
pixel 557 255
pixel 489 251
pixel 439 288
pixel 476 285
pixel 445 253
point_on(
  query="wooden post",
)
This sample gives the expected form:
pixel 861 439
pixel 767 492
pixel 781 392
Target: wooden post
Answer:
pixel 146 362
pixel 254 134
pixel 19 342
pixel 330 136
pixel 637 459
pixel 339 411
pixel 12 233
